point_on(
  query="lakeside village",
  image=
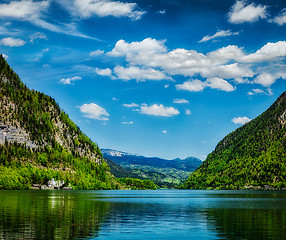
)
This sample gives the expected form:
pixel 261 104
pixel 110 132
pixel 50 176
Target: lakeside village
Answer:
pixel 52 185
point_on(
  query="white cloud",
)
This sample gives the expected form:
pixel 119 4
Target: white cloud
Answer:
pixel 265 79
pixel 194 85
pixel 188 112
pixel 281 19
pixel 5 56
pixel 269 52
pixel 25 9
pixel 220 84
pixel 96 53
pixel 242 12
pixel 131 105
pixel 69 81
pixel 103 8
pixel 128 123
pixel 153 53
pixel 161 11
pixel 164 131
pixel 166 85
pixel 241 120
pixel 38 35
pixel 12 42
pixel 158 110
pixel 94 111
pixel 256 91
pixel 33 12
pixel 217 67
pixel 104 72
pixel 114 99
pixel 214 83
pixel 140 74
pixel 218 34
pixel 180 101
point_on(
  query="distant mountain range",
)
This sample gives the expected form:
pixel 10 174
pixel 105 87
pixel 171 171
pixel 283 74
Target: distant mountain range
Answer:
pixel 165 173
pixel 127 159
pixel 251 157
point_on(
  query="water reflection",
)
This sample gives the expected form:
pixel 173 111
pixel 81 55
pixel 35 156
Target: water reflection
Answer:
pixel 48 215
pixel 168 214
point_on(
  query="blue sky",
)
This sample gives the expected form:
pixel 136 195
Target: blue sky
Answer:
pixel 165 78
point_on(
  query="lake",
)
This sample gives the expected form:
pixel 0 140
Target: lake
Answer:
pixel 160 214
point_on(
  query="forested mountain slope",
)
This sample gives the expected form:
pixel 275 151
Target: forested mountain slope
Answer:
pixel 38 141
pixel 253 156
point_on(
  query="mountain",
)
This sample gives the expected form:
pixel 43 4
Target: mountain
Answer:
pixel 164 173
pixel 127 159
pixel 38 141
pixel 251 157
pixel 120 172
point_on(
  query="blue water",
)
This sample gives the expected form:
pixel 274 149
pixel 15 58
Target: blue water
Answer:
pixel 160 214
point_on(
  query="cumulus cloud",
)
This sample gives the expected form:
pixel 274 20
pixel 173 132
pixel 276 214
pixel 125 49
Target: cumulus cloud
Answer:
pixel 25 9
pixel 164 131
pixel 153 53
pixel 69 81
pixel 269 52
pixel 12 42
pixel 194 85
pixel 96 53
pixel 242 12
pixel 94 111
pixel 180 101
pixel 217 67
pixel 265 79
pixel 281 19
pixel 241 120
pixel 104 8
pixel 140 74
pixel 104 72
pixel 220 84
pixel 158 110
pixel 218 34
pixel 131 105
pixel 38 35
pixel 197 85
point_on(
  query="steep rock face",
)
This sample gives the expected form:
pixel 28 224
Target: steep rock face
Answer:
pixel 37 136
pixel 38 118
pixel 253 156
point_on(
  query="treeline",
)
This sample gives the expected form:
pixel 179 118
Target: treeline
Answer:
pixel 20 167
pixel 137 184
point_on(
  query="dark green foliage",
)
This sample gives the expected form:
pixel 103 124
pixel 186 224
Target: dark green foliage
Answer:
pixel 20 168
pixel 253 156
pixel 137 184
pixel 119 171
pixel 78 161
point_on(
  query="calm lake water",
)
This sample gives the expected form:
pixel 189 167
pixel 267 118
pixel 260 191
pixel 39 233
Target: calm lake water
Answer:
pixel 160 214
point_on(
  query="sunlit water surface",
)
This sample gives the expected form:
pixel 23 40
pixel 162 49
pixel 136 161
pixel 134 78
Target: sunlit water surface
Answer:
pixel 160 214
